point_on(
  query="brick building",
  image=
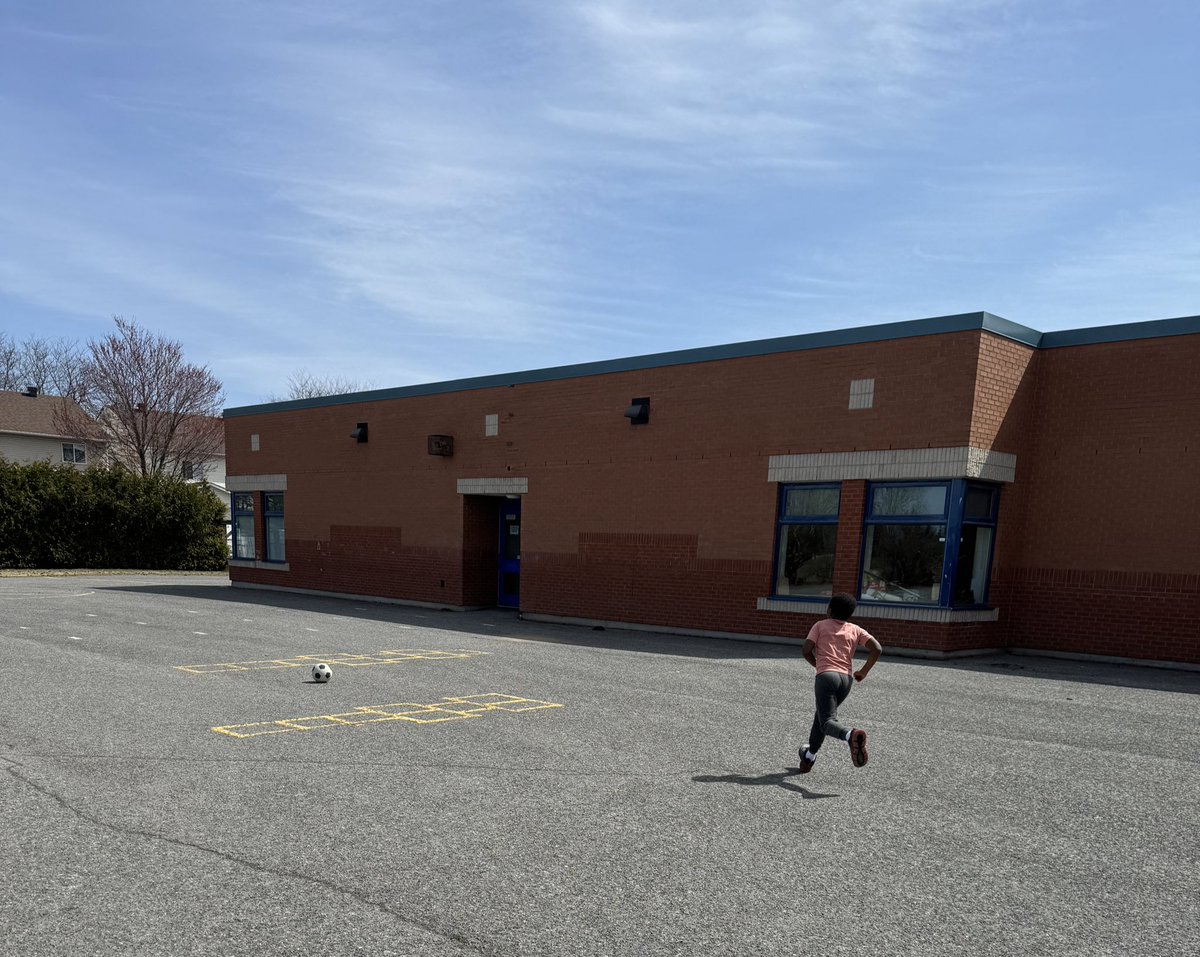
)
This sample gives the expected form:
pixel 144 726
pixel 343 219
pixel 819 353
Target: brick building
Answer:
pixel 976 483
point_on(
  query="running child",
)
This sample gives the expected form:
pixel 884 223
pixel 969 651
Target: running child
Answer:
pixel 830 649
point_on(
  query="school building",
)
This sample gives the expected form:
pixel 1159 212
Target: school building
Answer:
pixel 976 484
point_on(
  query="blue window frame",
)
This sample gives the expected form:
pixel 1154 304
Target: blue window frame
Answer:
pixel 907 529
pixel 241 507
pixel 805 540
pixel 273 526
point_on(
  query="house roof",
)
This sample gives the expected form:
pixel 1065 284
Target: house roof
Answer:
pixel 36 415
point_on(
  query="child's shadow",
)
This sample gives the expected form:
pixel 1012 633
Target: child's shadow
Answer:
pixel 779 779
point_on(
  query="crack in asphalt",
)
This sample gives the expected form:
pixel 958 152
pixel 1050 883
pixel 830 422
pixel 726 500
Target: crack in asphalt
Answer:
pixel 15 770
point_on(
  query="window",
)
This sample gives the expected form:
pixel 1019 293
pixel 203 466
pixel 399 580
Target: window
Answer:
pixel 189 471
pixel 76 454
pixel 905 558
pixel 242 507
pixel 973 564
pixel 273 524
pixel 807 538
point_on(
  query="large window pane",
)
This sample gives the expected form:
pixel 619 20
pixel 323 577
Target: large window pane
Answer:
pixel 805 565
pixel 970 577
pixel 243 539
pixel 903 562
pixel 902 500
pixel 274 530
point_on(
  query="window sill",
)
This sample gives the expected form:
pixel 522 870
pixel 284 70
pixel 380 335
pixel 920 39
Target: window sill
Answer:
pixel 895 612
pixel 250 563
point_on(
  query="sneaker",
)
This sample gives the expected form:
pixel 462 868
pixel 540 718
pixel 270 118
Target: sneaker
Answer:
pixel 858 747
pixel 806 765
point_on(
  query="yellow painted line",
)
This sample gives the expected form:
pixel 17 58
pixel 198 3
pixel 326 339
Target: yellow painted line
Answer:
pixel 343 659
pixel 456 708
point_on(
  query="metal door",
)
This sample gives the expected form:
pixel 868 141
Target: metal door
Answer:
pixel 508 590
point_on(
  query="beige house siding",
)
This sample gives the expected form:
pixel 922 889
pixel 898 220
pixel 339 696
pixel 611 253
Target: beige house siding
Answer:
pixel 27 449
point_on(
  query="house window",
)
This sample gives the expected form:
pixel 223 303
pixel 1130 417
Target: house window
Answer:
pixel 242 507
pixel 273 523
pixel 75 454
pixel 189 471
pixel 806 540
pixel 907 528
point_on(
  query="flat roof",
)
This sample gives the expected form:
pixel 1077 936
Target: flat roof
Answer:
pixel 938 325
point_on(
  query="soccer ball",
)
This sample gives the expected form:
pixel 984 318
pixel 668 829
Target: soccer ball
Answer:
pixel 321 672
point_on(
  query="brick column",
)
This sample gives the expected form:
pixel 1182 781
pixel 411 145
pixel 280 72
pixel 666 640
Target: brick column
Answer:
pixel 849 540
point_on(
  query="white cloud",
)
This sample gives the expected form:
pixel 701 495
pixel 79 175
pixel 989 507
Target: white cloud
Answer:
pixel 767 83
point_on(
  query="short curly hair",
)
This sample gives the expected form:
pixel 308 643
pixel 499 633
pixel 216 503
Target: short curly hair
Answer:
pixel 841 606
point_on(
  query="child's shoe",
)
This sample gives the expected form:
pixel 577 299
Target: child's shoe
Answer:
pixel 858 747
pixel 806 763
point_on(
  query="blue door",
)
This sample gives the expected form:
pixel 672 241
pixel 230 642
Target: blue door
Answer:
pixel 508 592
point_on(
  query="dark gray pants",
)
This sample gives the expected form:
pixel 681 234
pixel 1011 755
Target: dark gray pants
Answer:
pixel 832 687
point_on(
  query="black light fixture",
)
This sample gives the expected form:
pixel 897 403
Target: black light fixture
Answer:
pixel 439 444
pixel 360 432
pixel 638 412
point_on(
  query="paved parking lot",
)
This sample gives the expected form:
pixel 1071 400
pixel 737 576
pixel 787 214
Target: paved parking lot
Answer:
pixel 470 783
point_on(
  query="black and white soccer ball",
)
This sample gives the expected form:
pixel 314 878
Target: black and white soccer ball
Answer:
pixel 321 672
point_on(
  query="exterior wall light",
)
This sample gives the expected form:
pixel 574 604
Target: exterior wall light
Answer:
pixel 638 412
pixel 360 432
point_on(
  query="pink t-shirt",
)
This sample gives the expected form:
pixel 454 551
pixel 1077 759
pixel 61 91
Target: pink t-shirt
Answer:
pixel 835 643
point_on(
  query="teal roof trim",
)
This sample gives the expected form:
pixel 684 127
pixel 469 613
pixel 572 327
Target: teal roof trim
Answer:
pixel 1155 329
pixel 939 325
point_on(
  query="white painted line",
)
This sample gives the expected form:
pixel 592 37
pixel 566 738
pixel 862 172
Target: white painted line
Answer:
pixel 190 612
pixel 139 623
pixel 199 632
pixel 74 638
pixel 23 627
pixel 90 615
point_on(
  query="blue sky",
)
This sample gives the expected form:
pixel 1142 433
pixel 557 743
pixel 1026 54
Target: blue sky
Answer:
pixel 409 192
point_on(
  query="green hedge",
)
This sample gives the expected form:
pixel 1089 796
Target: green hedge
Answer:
pixel 54 516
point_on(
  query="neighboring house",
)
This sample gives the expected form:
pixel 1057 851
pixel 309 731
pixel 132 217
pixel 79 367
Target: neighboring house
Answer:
pixel 195 432
pixel 211 469
pixel 31 431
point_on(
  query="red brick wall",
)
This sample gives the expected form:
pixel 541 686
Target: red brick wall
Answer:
pixel 851 510
pixel 673 523
pixel 1101 532
pixel 480 562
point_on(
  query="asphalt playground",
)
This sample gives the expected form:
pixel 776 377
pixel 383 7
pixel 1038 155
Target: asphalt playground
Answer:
pixel 477 784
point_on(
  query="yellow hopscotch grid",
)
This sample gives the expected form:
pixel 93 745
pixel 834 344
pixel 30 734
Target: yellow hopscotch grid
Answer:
pixel 342 658
pixel 448 709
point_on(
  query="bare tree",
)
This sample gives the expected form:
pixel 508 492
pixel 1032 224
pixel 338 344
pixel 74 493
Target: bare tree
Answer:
pixel 52 366
pixel 160 414
pixel 10 364
pixel 303 384
pixel 65 365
